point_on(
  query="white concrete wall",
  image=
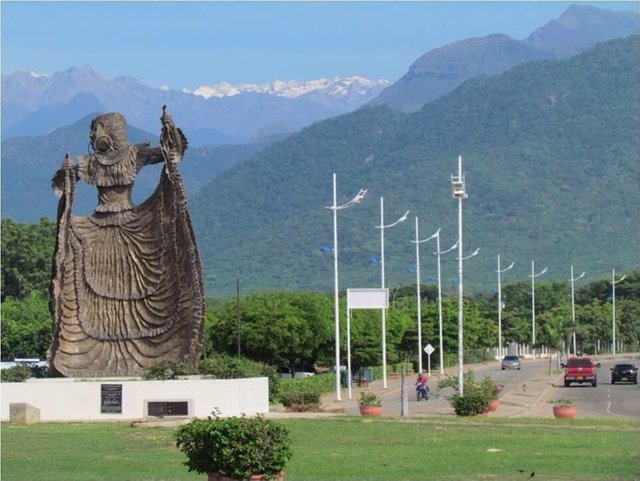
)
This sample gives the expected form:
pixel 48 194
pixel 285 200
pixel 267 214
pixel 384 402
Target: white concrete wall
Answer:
pixel 68 399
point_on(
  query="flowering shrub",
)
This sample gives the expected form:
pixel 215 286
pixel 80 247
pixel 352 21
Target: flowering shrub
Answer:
pixel 238 447
pixel 490 388
pixel 476 397
pixel 474 401
pixel 369 399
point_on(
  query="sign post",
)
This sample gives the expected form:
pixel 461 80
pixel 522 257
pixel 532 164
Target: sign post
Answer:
pixel 362 299
pixel 429 350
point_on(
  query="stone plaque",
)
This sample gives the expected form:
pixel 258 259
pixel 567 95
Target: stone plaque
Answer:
pixel 111 398
pixel 168 408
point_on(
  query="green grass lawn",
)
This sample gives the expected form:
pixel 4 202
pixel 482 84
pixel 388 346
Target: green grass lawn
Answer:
pixel 349 448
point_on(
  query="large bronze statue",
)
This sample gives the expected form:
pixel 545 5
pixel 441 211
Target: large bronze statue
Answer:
pixel 126 290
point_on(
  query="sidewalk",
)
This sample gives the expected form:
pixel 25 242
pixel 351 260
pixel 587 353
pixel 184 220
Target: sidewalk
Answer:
pixel 524 400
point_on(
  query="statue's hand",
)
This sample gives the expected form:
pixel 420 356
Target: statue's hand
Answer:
pixel 60 183
pixel 172 140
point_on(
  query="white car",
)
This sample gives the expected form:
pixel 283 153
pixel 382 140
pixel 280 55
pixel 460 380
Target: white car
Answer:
pixel 511 362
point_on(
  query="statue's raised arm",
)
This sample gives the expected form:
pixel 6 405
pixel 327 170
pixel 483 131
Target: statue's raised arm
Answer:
pixel 173 142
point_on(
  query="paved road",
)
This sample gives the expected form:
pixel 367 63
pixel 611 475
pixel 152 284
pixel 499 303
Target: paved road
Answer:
pixel 605 400
pixel 524 391
pixel 527 393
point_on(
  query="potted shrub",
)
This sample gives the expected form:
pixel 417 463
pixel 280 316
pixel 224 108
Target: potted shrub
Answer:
pixel 563 408
pixel 370 404
pixel 491 391
pixel 471 403
pixel 476 395
pixel 235 448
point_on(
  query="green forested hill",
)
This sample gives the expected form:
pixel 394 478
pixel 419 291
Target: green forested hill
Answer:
pixel 551 154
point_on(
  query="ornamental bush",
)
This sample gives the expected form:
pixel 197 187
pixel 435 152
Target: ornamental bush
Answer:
pixel 166 370
pixel 474 401
pixel 300 400
pixel 369 399
pixel 238 447
pixel 22 372
pixel 476 397
pixel 318 385
pixel 224 366
pixel 19 373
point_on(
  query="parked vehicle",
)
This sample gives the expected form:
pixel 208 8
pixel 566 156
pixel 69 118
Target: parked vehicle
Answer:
pixel 511 362
pixel 624 373
pixel 288 373
pixel 580 370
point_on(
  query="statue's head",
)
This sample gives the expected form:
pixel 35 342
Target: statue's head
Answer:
pixel 108 133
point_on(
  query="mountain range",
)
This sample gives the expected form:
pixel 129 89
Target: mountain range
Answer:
pixel 441 70
pixel 551 161
pixel 35 104
pixel 549 141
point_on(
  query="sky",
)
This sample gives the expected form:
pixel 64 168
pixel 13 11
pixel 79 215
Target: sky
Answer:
pixel 189 44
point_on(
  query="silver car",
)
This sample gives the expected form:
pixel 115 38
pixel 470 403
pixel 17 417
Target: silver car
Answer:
pixel 511 362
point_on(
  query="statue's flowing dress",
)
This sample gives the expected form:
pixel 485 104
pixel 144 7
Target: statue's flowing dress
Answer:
pixel 126 288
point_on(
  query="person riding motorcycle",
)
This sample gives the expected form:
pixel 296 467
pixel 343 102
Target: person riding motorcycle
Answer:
pixel 421 387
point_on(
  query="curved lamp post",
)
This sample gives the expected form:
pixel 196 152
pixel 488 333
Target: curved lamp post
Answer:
pixel 613 311
pixel 533 305
pixel 382 227
pixel 335 208
pixel 438 253
pixel 500 271
pixel 417 242
pixel 573 306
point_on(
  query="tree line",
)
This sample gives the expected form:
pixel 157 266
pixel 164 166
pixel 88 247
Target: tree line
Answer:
pixel 296 329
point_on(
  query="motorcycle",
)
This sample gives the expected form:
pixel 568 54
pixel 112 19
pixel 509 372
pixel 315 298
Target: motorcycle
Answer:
pixel 422 392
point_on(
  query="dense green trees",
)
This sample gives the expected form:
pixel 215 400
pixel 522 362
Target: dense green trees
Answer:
pixel 296 329
pixel 268 319
pixel 284 328
pixel 26 326
pixel 27 250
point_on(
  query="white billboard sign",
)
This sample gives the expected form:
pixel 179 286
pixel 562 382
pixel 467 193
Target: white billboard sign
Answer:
pixel 367 298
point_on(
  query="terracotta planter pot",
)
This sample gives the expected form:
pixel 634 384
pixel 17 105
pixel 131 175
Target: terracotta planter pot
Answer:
pixel 564 412
pixel 493 404
pixel 255 477
pixel 371 410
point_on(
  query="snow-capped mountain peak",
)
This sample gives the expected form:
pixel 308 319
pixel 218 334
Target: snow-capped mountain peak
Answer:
pixel 337 86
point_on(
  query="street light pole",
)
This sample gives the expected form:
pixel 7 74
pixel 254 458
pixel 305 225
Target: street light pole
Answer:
pixel 335 208
pixel 613 311
pixel 439 253
pixel 500 271
pixel 459 192
pixel 533 305
pixel 573 306
pixel 382 227
pixel 418 296
pixel 417 242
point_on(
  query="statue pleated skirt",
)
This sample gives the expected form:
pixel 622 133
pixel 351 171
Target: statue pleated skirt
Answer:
pixel 126 291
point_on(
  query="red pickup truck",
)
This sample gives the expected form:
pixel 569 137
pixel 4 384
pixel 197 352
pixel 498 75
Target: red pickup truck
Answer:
pixel 580 370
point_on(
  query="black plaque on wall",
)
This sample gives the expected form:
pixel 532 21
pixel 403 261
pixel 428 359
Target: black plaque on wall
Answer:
pixel 111 398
